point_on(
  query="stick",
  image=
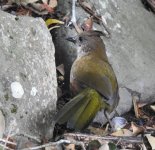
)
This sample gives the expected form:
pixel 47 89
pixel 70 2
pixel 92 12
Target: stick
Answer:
pixel 48 144
pixel 73 18
pixel 30 137
pixel 8 142
pixel 5 147
pixel 87 138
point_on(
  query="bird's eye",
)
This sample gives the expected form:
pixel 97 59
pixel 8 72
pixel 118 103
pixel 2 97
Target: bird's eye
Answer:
pixel 80 39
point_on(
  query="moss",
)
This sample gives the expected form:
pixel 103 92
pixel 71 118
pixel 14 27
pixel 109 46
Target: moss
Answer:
pixel 23 76
pixel 14 108
pixel 6 96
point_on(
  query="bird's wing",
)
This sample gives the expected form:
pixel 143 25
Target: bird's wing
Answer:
pixel 99 77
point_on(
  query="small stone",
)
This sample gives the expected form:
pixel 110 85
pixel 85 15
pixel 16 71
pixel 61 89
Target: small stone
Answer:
pixel 17 90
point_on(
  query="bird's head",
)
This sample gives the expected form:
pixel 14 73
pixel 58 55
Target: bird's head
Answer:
pixel 88 41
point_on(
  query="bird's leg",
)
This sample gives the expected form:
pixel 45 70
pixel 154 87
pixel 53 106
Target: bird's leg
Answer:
pixel 73 18
pixel 116 113
pixel 107 117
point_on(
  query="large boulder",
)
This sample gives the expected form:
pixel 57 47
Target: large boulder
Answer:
pixel 131 49
pixel 28 86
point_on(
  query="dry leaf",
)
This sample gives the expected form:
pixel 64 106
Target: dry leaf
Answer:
pixel 122 132
pixel 22 1
pixel 98 131
pixel 60 68
pixel 69 147
pixel 52 3
pixel 151 140
pixel 136 109
pixel 87 5
pixel 23 12
pixel 150 128
pixel 141 104
pixel 152 107
pixel 88 24
pixel 136 129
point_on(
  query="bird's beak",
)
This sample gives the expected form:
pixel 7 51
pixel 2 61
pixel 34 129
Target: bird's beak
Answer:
pixel 71 39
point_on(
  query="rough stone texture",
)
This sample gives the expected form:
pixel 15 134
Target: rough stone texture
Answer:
pixel 2 124
pixel 27 58
pixel 132 46
pixel 131 49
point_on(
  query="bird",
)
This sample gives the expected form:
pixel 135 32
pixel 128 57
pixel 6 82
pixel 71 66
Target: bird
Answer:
pixel 93 83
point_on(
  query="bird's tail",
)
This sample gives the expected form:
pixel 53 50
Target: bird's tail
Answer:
pixel 80 110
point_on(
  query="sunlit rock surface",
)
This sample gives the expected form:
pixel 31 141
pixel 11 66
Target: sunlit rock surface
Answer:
pixel 28 75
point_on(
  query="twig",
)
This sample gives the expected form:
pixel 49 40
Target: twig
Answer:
pixel 49 144
pixel 87 138
pixel 73 18
pixel 5 147
pixel 8 142
pixel 7 138
pixel 135 99
pixel 30 137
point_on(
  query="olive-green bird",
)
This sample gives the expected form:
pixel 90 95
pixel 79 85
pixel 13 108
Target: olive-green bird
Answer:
pixel 92 81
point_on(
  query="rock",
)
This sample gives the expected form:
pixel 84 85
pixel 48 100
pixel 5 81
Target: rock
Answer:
pixel 28 86
pixel 2 124
pixel 131 48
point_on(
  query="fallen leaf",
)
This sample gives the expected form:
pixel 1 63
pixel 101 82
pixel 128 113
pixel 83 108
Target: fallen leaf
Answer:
pixel 152 107
pixel 98 131
pixel 87 5
pixel 150 128
pixel 51 3
pixel 151 140
pixel 69 147
pixel 22 1
pixel 141 104
pixel 137 129
pixel 23 12
pixel 122 132
pixel 27 1
pixel 60 68
pixel 47 7
pixel 88 24
pixel 136 109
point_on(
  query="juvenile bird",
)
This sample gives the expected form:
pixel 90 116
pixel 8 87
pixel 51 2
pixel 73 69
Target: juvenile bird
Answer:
pixel 92 81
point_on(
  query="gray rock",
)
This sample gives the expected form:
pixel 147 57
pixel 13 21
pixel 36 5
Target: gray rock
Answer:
pixel 28 86
pixel 2 124
pixel 131 50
